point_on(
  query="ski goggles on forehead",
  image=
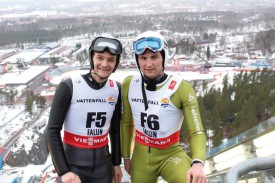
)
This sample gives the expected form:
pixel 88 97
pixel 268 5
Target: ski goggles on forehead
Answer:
pixel 152 43
pixel 101 44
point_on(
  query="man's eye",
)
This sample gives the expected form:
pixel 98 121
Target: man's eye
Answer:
pixel 142 58
pixel 155 57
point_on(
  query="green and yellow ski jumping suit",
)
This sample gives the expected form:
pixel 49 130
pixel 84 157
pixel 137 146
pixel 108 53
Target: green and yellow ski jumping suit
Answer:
pixel 157 151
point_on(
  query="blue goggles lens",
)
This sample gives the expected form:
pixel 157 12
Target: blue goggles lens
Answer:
pixel 152 43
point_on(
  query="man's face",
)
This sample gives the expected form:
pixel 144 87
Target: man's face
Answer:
pixel 150 64
pixel 104 64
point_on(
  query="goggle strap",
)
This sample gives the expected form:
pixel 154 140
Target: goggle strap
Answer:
pixel 144 93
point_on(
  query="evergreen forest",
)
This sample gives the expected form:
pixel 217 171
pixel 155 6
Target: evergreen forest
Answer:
pixel 238 106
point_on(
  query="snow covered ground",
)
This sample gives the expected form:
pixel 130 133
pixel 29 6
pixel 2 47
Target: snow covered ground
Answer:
pixel 13 119
pixel 9 174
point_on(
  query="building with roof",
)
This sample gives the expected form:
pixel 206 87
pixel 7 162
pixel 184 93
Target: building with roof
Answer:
pixel 25 56
pixel 23 77
pixel 51 45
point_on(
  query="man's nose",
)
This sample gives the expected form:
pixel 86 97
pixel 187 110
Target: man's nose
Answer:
pixel 104 62
pixel 149 62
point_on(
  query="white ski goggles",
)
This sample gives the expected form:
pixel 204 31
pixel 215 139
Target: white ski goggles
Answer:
pixel 100 44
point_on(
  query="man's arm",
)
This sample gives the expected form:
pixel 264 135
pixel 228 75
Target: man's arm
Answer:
pixel 59 108
pixel 192 119
pixel 115 131
pixel 197 137
pixel 127 124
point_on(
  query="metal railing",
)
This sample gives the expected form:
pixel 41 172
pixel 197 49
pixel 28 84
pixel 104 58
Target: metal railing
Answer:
pixel 255 164
pixel 262 127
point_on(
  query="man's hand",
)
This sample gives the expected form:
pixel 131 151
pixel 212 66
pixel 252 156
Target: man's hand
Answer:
pixel 70 177
pixel 196 174
pixel 127 165
pixel 118 174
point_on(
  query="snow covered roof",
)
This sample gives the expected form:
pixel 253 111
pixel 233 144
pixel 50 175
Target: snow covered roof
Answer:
pixel 58 52
pixel 26 56
pixel 52 45
pixel 23 76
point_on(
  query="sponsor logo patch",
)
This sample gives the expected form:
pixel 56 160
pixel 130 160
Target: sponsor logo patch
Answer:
pixel 164 102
